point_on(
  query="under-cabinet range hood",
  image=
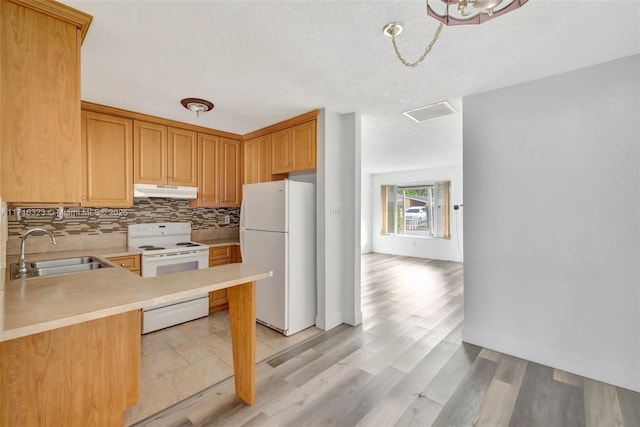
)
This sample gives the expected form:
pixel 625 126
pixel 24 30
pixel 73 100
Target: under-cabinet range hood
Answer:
pixel 164 191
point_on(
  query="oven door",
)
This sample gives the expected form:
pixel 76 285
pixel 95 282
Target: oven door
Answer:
pixel 178 311
pixel 160 265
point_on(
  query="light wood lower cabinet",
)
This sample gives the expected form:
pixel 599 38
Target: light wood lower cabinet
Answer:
pixel 129 262
pixel 81 375
pixel 107 160
pixel 236 255
pixel 221 255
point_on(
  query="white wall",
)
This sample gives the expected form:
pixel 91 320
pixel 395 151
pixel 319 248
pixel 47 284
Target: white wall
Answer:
pixel 366 244
pixel 444 249
pixel 552 204
pixel 338 187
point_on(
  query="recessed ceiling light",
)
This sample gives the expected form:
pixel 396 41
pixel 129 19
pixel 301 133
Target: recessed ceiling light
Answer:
pixel 430 112
pixel 197 105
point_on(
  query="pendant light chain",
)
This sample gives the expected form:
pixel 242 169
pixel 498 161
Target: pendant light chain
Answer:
pixel 426 51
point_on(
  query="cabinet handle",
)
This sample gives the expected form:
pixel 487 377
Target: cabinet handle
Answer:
pixel 123 265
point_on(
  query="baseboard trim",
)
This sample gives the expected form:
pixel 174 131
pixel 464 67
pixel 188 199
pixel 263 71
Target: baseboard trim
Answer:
pixel 326 323
pixel 557 360
pixel 353 319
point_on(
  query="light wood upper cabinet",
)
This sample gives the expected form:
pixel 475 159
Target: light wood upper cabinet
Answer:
pixel 209 158
pixel 257 160
pixel 40 158
pixel 281 151
pixel 164 155
pixel 219 171
pixel 230 172
pixel 150 153
pixel 183 154
pixel 107 160
pixel 294 149
pixel 303 146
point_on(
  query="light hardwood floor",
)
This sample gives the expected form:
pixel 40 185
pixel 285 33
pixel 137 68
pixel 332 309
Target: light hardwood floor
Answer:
pixel 406 366
pixel 180 361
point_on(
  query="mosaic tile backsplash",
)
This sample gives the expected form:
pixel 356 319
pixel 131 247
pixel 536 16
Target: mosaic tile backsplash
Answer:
pixel 96 221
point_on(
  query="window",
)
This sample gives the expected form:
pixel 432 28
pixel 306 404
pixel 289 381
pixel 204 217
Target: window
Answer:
pixel 416 210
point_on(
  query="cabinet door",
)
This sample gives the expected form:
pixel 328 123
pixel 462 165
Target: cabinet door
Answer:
pixel 264 159
pixel 236 256
pixel 250 162
pixel 40 104
pixel 207 170
pixel 130 262
pixel 149 153
pixel 218 299
pixel 107 152
pixel 280 151
pixel 257 160
pixel 220 253
pixel 229 176
pixel 303 146
pixel 182 168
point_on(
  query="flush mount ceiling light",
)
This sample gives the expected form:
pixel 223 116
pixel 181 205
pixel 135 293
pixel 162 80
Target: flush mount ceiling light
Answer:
pixel 197 105
pixel 467 12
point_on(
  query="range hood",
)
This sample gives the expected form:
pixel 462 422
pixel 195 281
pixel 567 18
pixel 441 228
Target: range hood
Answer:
pixel 165 191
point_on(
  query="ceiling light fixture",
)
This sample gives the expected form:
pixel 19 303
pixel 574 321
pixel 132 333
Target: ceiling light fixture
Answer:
pixel 473 11
pixel 197 105
pixel 468 12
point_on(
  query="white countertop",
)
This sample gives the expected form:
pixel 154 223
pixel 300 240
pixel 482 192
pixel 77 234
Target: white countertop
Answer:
pixel 41 304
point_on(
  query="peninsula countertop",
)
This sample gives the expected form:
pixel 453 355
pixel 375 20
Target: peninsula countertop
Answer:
pixel 40 304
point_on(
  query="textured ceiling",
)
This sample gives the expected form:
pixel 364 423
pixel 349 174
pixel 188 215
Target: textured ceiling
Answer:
pixel 261 62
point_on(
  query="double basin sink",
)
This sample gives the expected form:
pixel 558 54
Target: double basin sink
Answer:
pixel 59 266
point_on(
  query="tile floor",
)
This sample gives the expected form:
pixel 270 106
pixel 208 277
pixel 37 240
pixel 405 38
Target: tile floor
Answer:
pixel 180 361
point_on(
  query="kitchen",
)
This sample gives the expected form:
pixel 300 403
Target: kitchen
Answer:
pixel 337 171
pixel 94 189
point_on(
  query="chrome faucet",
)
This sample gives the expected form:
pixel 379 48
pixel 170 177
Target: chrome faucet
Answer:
pixel 22 262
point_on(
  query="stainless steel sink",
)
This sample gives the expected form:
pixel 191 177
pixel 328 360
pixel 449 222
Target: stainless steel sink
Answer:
pixel 63 262
pixel 59 266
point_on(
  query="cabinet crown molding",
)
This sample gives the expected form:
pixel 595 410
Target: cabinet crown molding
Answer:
pixel 306 117
pixel 127 114
pixel 60 11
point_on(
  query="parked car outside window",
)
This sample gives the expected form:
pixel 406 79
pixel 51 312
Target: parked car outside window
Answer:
pixel 415 213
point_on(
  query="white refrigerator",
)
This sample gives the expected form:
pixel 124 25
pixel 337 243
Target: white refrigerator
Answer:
pixel 278 232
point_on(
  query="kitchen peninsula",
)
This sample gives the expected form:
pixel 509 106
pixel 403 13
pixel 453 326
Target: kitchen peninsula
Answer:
pixel 70 350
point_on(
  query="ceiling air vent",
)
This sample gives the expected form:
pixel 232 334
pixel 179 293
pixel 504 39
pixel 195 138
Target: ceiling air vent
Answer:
pixel 430 112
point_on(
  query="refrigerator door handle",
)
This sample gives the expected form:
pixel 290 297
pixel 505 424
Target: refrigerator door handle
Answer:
pixel 241 229
pixel 242 214
pixel 241 244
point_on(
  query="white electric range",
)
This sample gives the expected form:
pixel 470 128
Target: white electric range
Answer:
pixel 166 249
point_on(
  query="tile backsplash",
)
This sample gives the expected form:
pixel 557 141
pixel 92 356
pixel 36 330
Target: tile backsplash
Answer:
pixel 101 221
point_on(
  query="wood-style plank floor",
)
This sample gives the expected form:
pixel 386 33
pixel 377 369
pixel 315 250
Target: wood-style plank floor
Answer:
pixel 406 366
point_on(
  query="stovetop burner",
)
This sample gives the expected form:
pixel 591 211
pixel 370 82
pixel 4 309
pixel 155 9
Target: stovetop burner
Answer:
pixel 163 238
pixel 188 244
pixel 150 248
